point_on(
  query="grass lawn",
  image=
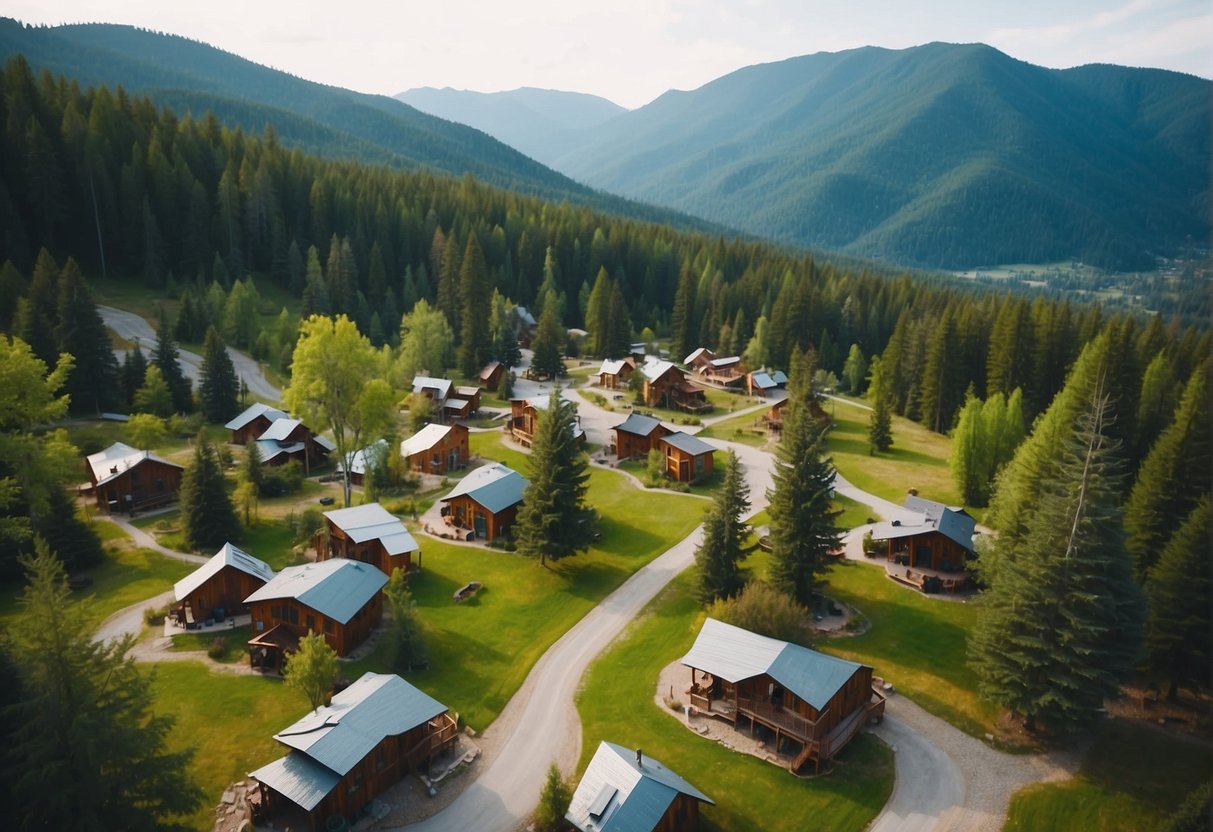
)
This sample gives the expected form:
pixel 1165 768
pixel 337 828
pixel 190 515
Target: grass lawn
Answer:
pixel 745 429
pixel 853 513
pixel 235 642
pixel 229 719
pixel 916 642
pixel 1133 779
pixel 704 486
pixel 918 458
pixel 616 704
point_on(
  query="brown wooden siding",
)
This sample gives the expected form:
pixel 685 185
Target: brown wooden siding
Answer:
pixel 686 467
pixel 929 550
pixel 465 510
pixel 148 484
pixel 227 589
pixel 370 551
pixel 660 391
pixel 630 445
pixel 250 432
pixel 296 617
pixel 436 459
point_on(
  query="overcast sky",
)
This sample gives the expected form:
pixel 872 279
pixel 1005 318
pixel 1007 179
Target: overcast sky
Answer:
pixel 631 51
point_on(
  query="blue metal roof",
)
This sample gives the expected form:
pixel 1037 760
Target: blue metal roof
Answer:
pixel 618 794
pixel 339 735
pixel 687 443
pixel 638 424
pixel 299 779
pixel 335 588
pixel 762 380
pixel 496 487
pixel 734 654
pixel 953 522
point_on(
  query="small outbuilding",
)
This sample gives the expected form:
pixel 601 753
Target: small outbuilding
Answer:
pixel 614 373
pixel 125 479
pixel 288 439
pixel 629 791
pixel 369 533
pixel 636 435
pixel 687 457
pixel 220 585
pixel 486 500
pixel 524 419
pixel 490 376
pixel 344 754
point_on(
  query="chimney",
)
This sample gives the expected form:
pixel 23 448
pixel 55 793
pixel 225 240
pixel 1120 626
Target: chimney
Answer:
pixel 639 759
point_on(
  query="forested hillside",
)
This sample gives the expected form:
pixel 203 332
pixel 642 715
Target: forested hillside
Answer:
pixel 538 122
pixel 941 155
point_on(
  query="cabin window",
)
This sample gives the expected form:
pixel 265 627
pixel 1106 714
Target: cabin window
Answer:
pixel 356 783
pixel 380 759
pixel 311 623
pixel 699 464
pixel 275 612
pixel 291 614
pixel 328 626
pixel 159 486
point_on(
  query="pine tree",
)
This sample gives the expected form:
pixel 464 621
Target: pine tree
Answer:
pixel 1160 391
pixel 475 344
pixel 506 350
pixel 969 461
pixel 1061 627
pixel 597 313
pixel 554 802
pixel 80 332
pixel 803 530
pixel 253 471
pixel 548 346
pixel 208 518
pixel 682 322
pixel 554 520
pixel 88 751
pixel 165 356
pixel 1172 477
pixel 938 396
pixel 1179 593
pixel 153 396
pixel 218 387
pixel 880 423
pixel 619 324
pixel 720 553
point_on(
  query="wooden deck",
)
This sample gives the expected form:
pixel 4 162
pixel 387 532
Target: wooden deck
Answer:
pixel 918 578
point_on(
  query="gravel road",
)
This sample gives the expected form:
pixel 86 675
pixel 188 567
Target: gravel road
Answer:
pixel 132 327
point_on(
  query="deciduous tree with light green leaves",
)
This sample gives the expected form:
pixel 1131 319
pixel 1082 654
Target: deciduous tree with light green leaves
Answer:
pixel 427 345
pixel 336 384
pixel 312 669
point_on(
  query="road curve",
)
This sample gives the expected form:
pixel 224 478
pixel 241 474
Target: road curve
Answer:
pixel 132 327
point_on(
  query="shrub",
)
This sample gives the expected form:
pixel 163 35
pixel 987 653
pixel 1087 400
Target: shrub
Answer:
pixel 305 524
pixel 217 648
pixel 154 616
pixel 553 802
pixel 870 549
pixel 762 609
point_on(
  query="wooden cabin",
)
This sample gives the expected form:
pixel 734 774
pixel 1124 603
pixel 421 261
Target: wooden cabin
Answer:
pixel 525 326
pixel 339 597
pixel 219 586
pixel 367 533
pixel 123 479
pixel 435 389
pixel 661 379
pixel 288 439
pixel 933 542
pixel 363 459
pixel 253 422
pixel 490 376
pixel 765 385
pixel 810 704
pixel 773 418
pixel 724 371
pixel 687 457
pixel 626 789
pixel 699 360
pixel 614 374
pixel 524 419
pixel 636 435
pixel 437 449
pixel 346 753
pixel 485 501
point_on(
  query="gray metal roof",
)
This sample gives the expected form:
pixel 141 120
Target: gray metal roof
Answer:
pixel 696 354
pixel 612 366
pixel 362 457
pixel 455 404
pixel 271 448
pixel 654 368
pixel 119 458
pixel 335 588
pixel 339 735
pixel 685 442
pixel 467 391
pixel 281 429
pixel 953 522
pixel 638 424
pixel 495 486
pixel 734 654
pixel 252 412
pixel 618 795
pixel 229 555
pixel 299 779
pixel 726 362
pixel 441 385
pixel 374 522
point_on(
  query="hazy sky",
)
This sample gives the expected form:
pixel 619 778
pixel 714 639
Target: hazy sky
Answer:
pixel 631 51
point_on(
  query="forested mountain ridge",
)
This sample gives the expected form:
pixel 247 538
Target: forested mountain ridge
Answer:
pixel 184 74
pixel 538 122
pixel 940 155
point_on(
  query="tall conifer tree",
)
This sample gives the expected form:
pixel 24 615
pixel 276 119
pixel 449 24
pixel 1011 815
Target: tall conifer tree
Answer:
pixel 720 553
pixel 218 387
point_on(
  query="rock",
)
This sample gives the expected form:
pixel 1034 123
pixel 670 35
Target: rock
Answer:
pixel 229 796
pixel 989 738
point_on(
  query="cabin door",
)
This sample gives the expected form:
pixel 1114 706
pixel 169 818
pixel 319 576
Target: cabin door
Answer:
pixel 922 556
pixel 482 526
pixel 684 470
pixel 452 460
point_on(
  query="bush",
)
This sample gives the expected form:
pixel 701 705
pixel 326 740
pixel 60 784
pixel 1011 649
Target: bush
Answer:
pixel 553 802
pixel 762 609
pixel 1193 814
pixel 154 616
pixel 870 549
pixel 283 479
pixel 217 648
pixel 305 525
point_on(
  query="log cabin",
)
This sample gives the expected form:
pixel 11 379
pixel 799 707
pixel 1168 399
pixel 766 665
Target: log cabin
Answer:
pixel 346 753
pixel 219 586
pixel 369 533
pixel 437 449
pixel 524 419
pixel 614 374
pixel 126 479
pixel 699 360
pixel 636 435
pixel 687 458
pixel 253 422
pixel 463 403
pixel 486 500
pixel 490 376
pixel 801 698
pixel 662 379
pixel 340 598
pixel 629 790
pixel 933 545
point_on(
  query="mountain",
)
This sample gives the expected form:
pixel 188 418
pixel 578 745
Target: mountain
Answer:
pixel 540 123
pixel 940 155
pixel 188 75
